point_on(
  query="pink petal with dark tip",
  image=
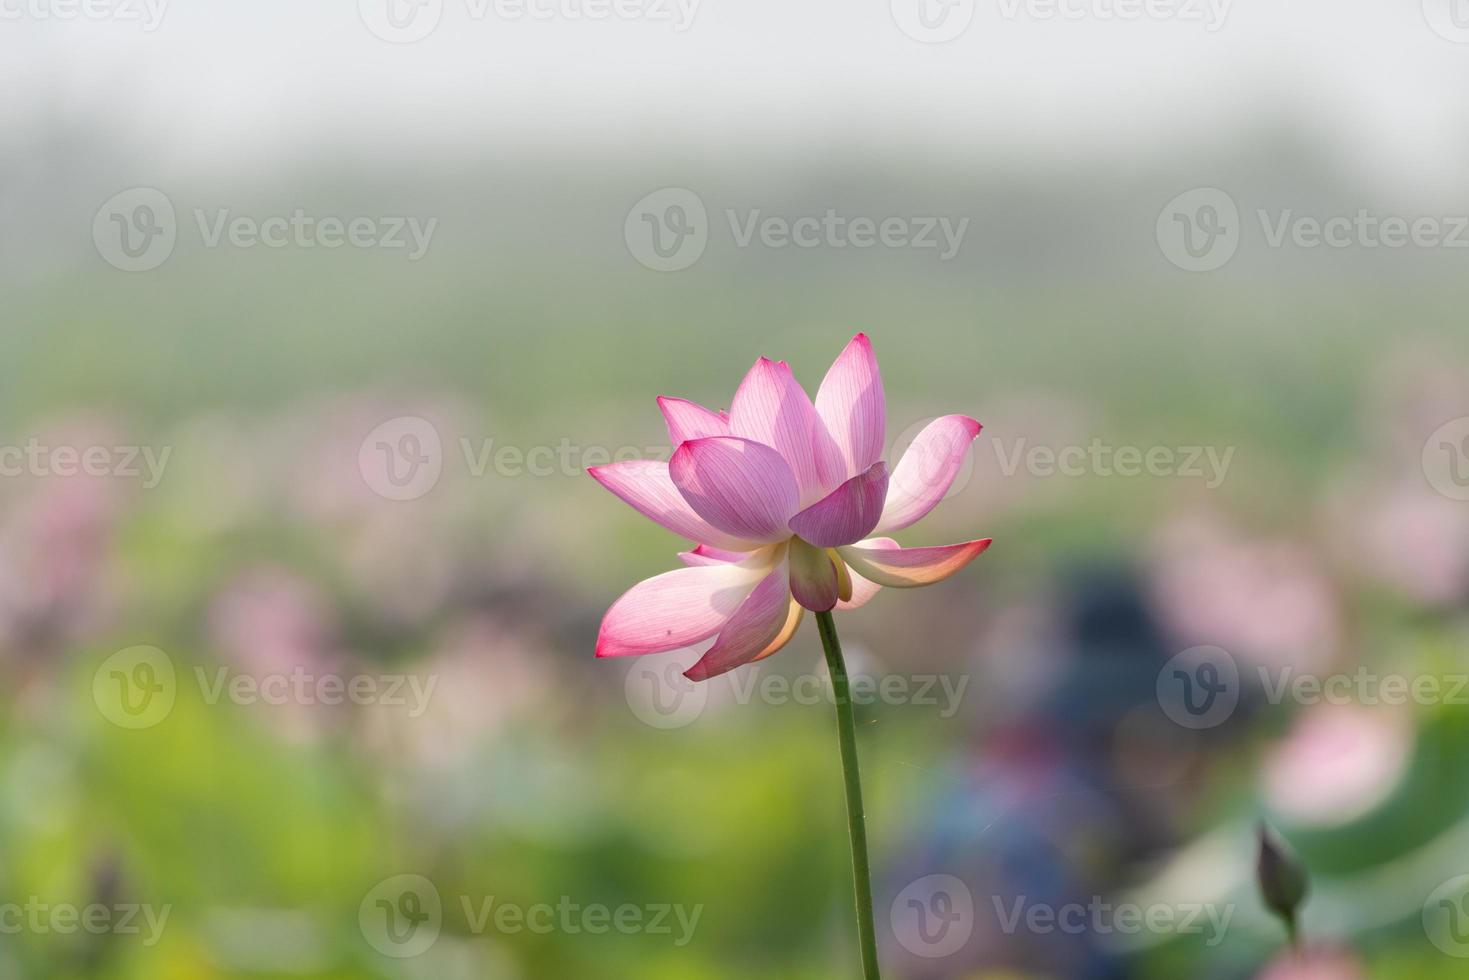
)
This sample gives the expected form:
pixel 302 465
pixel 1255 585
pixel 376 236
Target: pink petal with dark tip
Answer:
pixel 927 470
pixel 689 420
pixel 852 406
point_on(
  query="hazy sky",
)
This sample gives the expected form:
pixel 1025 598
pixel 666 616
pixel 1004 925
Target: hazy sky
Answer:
pixel 214 82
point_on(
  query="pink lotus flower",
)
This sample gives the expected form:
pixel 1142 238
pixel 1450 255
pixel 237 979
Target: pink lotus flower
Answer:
pixel 781 496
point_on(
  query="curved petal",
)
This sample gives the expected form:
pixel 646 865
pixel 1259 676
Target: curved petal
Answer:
pixel 757 622
pixel 772 409
pixel 676 609
pixel 852 406
pixel 904 568
pixel 794 613
pixel 927 470
pixel 740 487
pixel 848 513
pixel 863 589
pixel 646 485
pixel 689 420
pixel 705 555
pixel 814 581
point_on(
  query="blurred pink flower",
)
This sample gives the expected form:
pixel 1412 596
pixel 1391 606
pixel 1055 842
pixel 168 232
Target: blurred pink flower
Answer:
pixel 1314 964
pixel 1337 764
pixel 780 495
pixel 269 620
pixel 1405 536
pixel 54 547
pixel 1266 600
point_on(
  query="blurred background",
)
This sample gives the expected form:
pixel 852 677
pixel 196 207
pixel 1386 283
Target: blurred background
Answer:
pixel 315 314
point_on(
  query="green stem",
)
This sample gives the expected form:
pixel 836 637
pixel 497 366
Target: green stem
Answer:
pixel 856 820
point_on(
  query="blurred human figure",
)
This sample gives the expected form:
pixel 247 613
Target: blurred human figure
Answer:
pixel 1061 798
